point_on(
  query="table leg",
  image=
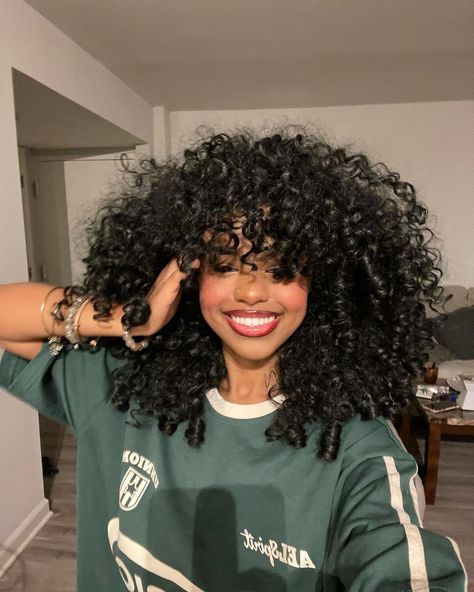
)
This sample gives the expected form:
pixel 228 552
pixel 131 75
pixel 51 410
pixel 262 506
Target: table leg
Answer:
pixel 404 430
pixel 432 447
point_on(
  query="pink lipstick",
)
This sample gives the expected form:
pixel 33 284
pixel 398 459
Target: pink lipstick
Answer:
pixel 252 323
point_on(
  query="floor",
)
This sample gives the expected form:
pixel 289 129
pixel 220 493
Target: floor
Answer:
pixel 48 564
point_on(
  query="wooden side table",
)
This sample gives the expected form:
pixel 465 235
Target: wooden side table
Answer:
pixel 456 422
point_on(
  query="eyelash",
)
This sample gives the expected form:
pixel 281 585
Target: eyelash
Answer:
pixel 277 272
pixel 224 268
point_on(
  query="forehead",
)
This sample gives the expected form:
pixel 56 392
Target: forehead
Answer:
pixel 232 230
pixel 237 244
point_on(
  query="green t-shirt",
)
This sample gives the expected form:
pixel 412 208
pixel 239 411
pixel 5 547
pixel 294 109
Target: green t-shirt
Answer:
pixel 238 514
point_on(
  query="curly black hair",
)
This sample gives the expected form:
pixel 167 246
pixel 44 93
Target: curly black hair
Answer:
pixel 354 228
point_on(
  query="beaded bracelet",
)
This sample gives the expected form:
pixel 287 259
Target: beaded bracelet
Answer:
pixel 69 328
pixel 56 345
pixel 71 324
pixel 135 346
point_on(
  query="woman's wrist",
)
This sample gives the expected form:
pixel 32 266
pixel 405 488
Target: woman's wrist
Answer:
pixel 33 312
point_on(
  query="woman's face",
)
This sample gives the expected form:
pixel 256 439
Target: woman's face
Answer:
pixel 252 312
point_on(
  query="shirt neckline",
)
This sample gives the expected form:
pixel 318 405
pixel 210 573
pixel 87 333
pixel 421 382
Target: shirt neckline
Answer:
pixel 239 411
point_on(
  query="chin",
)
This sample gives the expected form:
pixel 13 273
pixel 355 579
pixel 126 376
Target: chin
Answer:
pixel 253 352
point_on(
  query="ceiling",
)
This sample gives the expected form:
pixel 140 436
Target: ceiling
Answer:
pixel 243 54
pixel 46 119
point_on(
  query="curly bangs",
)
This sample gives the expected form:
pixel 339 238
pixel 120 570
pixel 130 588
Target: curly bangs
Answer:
pixel 353 227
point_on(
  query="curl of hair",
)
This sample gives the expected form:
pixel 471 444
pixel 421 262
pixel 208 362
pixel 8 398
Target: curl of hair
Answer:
pixel 361 234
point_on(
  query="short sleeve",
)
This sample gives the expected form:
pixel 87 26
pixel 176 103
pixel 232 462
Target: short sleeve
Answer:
pixel 377 540
pixel 68 388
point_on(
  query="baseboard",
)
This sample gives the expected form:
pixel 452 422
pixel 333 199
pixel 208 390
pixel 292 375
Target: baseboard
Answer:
pixel 21 536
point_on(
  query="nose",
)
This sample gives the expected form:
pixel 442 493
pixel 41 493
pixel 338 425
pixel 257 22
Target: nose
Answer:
pixel 251 288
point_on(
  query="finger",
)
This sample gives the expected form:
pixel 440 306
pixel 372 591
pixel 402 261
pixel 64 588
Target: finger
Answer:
pixel 172 270
pixel 172 284
pixel 167 271
pixel 195 264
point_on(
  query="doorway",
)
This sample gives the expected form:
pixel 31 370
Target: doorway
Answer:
pixel 68 156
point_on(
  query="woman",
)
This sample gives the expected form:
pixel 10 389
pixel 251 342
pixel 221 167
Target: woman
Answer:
pixel 259 312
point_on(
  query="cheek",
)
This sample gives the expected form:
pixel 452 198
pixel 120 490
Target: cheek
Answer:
pixel 212 292
pixel 294 297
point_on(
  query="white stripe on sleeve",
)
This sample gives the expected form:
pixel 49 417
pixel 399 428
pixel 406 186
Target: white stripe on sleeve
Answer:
pixel 458 554
pixel 416 553
pixel 416 496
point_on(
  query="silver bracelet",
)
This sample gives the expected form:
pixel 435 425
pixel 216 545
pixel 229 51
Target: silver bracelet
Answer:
pixel 56 345
pixel 135 346
pixel 70 331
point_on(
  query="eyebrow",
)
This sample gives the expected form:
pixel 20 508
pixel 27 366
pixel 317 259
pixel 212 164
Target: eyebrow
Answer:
pixel 262 258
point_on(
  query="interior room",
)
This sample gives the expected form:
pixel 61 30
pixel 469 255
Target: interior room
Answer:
pixel 88 87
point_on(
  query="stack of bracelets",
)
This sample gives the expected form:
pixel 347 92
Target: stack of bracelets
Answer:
pixel 74 306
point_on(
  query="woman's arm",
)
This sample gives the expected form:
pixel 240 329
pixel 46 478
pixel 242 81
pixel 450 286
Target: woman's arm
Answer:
pixel 25 349
pixel 21 319
pixel 377 538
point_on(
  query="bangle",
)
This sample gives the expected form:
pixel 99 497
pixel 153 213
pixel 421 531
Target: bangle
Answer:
pixel 55 342
pixel 69 322
pixel 93 340
pixel 135 346
pixel 42 308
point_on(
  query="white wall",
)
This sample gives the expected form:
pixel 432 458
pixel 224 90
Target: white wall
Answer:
pixel 32 45
pixel 428 143
pixel 88 181
pixel 47 211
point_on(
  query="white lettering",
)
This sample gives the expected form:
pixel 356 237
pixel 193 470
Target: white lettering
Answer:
pixel 125 574
pixel 274 548
pixel 148 466
pixel 128 579
pixel 145 560
pixel 139 583
pixel 268 553
pixel 134 458
pixel 155 479
pixel 247 536
pixel 125 455
pixel 292 557
pixel 280 551
pixel 305 560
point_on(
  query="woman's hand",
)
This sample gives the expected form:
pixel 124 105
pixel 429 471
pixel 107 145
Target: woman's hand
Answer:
pixel 164 298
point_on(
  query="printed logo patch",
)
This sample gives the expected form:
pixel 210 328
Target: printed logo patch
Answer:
pixel 136 479
pixel 132 488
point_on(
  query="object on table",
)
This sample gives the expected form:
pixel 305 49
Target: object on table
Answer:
pixel 440 406
pixel 431 391
pixel 466 394
pixel 430 374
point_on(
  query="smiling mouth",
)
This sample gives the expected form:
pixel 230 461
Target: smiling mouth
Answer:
pixel 252 324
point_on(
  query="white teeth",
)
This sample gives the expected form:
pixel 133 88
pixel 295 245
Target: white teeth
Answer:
pixel 252 321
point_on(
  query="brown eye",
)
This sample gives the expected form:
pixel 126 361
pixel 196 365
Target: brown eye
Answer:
pixel 223 268
pixel 278 273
